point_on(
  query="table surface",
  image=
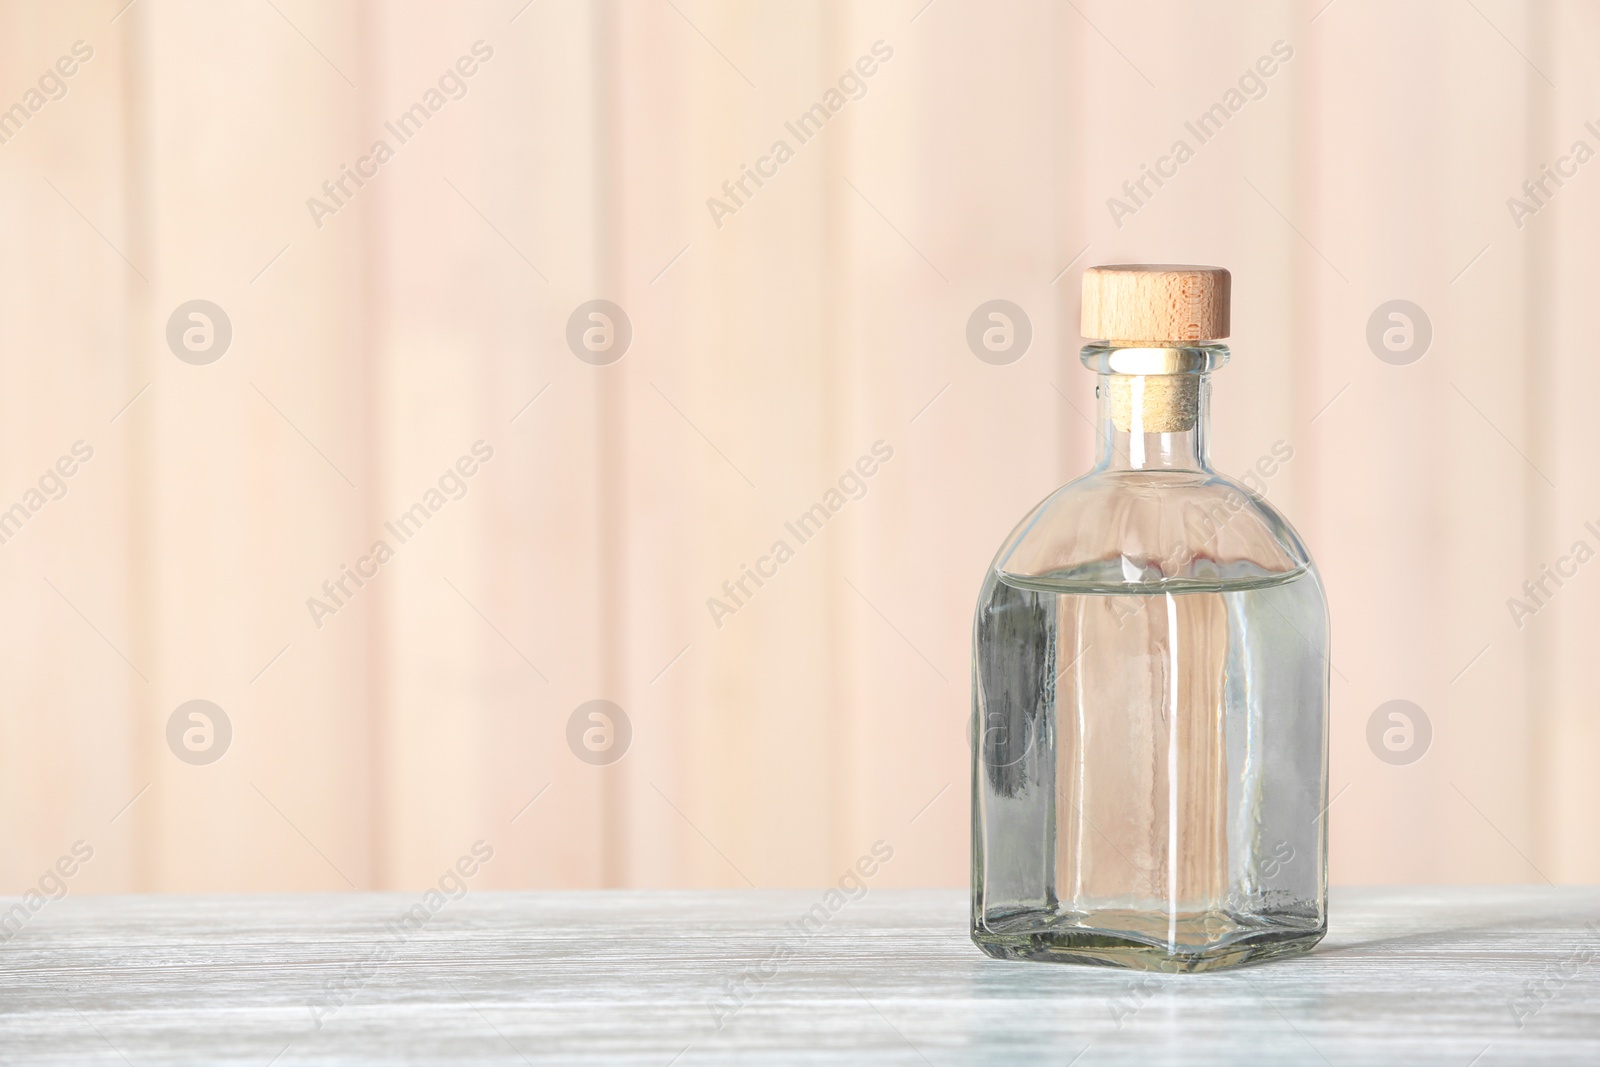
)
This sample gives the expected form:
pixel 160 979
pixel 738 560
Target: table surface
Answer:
pixel 1458 976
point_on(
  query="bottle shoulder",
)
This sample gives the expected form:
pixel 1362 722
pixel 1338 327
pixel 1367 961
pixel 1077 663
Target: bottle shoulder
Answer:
pixel 1147 530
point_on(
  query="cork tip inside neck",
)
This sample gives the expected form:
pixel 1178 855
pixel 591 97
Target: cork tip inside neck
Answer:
pixel 1154 403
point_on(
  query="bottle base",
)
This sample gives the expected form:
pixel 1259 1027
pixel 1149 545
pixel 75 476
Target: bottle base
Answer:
pixel 1056 942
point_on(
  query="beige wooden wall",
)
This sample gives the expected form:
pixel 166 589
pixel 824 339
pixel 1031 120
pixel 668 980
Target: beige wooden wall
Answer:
pixel 769 352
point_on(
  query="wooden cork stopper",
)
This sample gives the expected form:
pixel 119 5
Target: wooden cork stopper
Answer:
pixel 1156 302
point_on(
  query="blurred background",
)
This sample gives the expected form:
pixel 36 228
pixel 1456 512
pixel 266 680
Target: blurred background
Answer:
pixel 283 281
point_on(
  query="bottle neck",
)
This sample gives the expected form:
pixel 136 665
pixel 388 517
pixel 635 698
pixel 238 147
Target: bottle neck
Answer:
pixel 1153 422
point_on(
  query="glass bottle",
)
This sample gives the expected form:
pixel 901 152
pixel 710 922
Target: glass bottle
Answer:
pixel 1150 679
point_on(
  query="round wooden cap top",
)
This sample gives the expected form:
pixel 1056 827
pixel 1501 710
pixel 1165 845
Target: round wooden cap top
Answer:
pixel 1156 302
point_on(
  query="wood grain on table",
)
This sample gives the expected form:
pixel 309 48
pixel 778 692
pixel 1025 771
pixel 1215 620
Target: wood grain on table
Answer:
pixel 1458 976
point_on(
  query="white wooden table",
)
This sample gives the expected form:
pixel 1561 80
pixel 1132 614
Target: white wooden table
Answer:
pixel 1454 976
